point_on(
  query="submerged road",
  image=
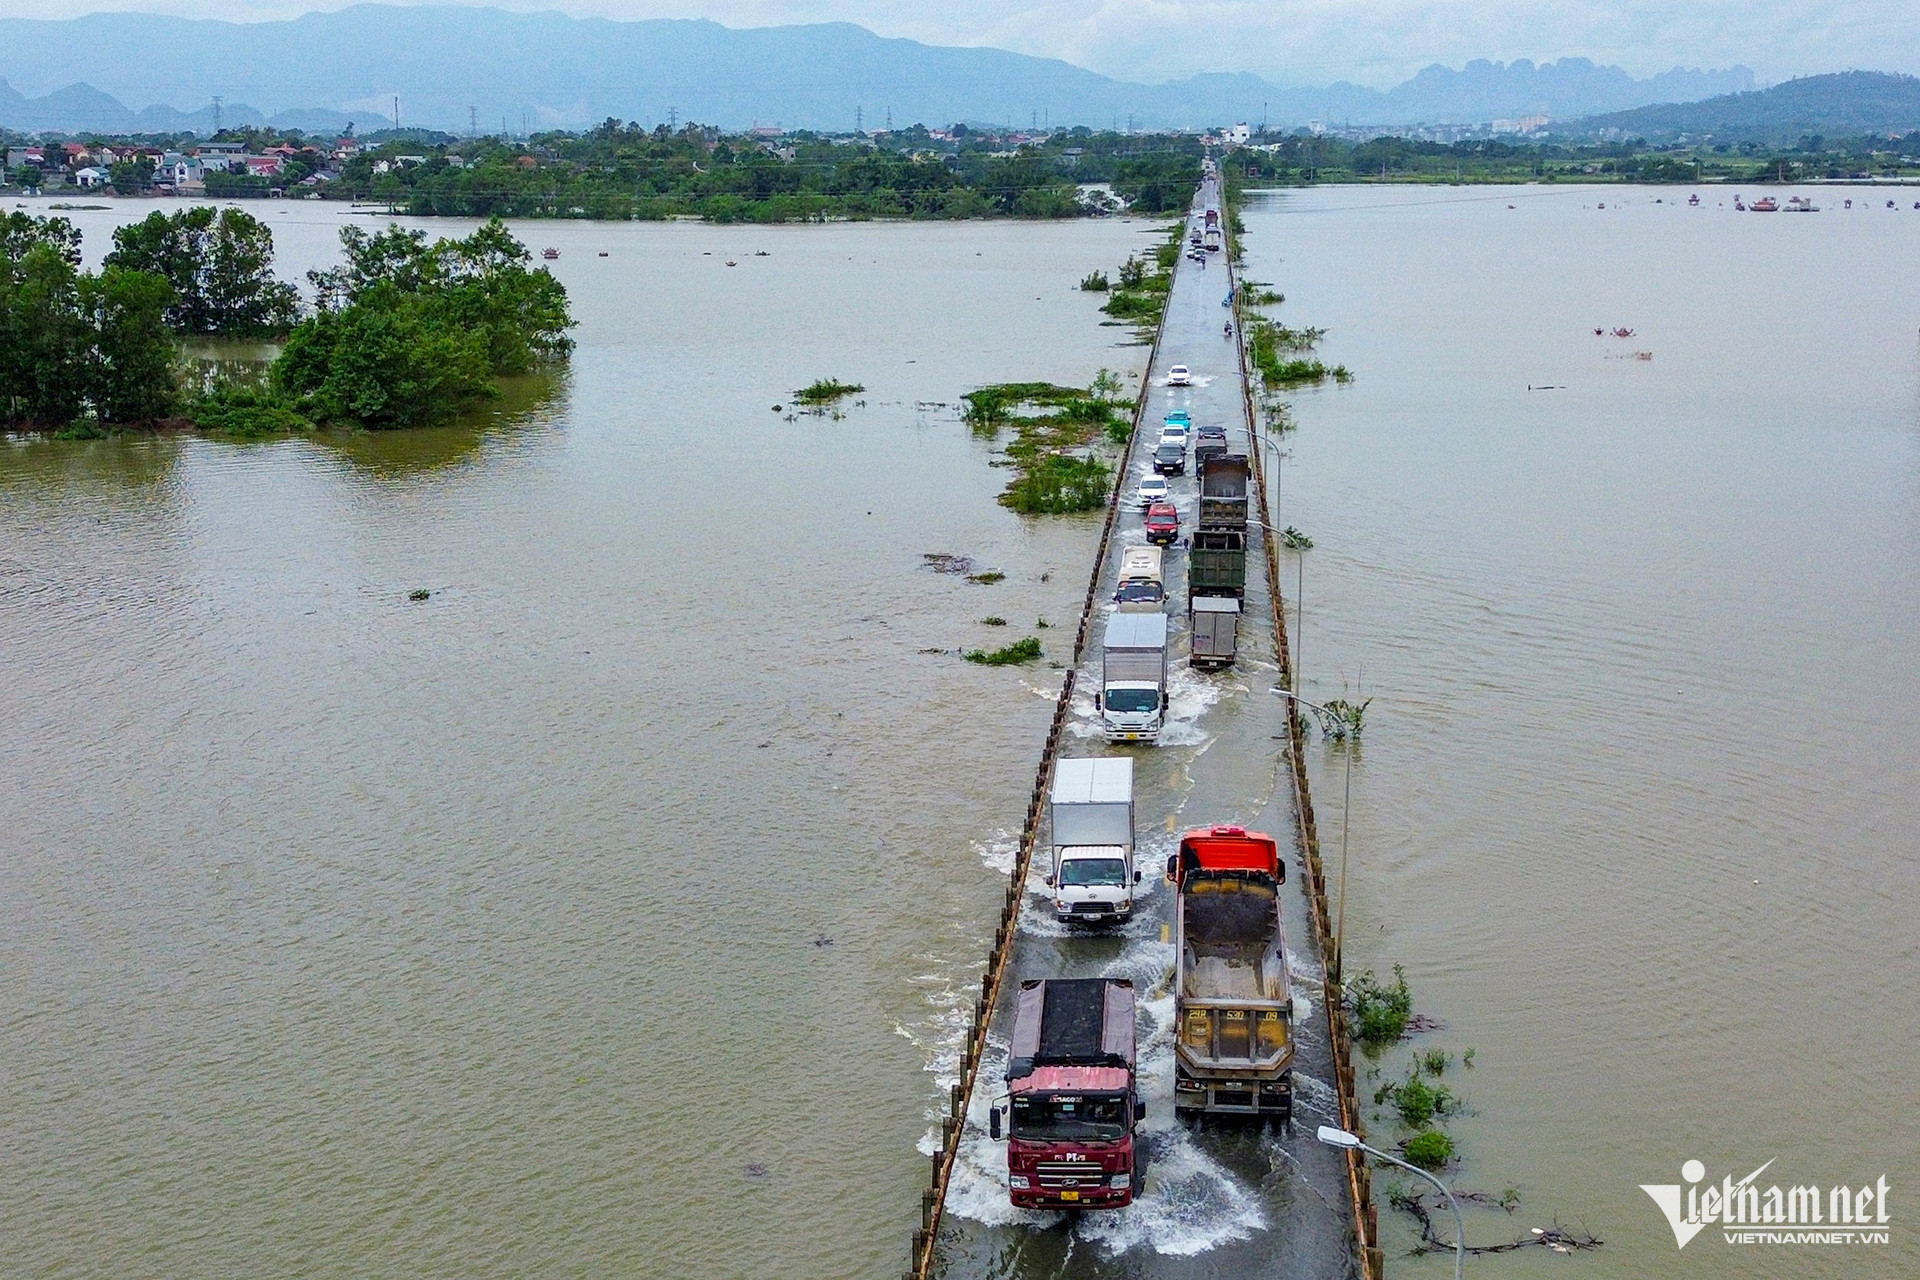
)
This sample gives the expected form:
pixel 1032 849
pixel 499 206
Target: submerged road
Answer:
pixel 1229 1200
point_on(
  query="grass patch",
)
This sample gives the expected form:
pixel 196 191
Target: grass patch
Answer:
pixel 988 578
pixel 1430 1150
pixel 826 391
pixel 1019 651
pixel 1417 1101
pixel 1382 1011
pixel 1053 429
pixel 233 409
pixel 993 620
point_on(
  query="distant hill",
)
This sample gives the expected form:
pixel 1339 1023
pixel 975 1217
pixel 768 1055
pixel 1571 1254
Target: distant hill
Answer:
pixel 1845 105
pixel 453 66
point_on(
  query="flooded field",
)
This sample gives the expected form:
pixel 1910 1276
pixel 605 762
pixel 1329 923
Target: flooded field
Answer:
pixel 1640 617
pixel 609 911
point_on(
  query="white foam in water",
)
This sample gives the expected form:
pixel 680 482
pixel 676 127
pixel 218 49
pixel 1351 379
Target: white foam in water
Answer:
pixel 1038 919
pixel 1188 697
pixel 999 852
pixel 1316 1097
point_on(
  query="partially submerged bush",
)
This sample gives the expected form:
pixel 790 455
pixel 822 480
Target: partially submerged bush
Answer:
pixel 1430 1150
pixel 826 391
pixel 1019 651
pixel 1381 1011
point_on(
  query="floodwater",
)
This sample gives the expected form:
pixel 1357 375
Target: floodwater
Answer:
pixel 611 911
pixel 1638 799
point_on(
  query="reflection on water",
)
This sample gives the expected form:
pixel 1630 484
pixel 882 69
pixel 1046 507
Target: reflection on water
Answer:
pixel 528 407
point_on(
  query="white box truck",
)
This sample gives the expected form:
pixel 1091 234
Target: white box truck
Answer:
pixel 1132 701
pixel 1216 623
pixel 1091 811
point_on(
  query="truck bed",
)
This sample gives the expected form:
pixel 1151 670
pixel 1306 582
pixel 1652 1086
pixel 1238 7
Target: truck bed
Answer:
pixel 1231 937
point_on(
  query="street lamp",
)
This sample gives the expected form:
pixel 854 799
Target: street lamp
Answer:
pixel 1346 825
pixel 1341 1138
pixel 1299 596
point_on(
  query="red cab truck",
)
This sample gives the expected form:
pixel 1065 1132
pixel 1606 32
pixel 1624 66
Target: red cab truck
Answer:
pixel 1233 1050
pixel 1071 1101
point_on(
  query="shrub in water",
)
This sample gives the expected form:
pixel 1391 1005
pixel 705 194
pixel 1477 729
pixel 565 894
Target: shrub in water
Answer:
pixel 1381 1011
pixel 1430 1150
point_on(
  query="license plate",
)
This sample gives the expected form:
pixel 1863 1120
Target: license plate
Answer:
pixel 1069 1195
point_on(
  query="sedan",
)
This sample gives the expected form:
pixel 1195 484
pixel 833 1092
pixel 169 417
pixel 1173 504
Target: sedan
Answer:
pixel 1170 459
pixel 1152 489
pixel 1179 376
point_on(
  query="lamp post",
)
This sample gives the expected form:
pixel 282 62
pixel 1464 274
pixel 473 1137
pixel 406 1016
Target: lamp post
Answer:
pixel 1299 594
pixel 1346 825
pixel 1346 1141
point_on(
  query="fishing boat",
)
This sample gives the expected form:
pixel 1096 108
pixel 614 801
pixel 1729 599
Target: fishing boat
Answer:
pixel 549 254
pixel 1766 204
pixel 1693 199
pixel 1737 206
pixel 1800 204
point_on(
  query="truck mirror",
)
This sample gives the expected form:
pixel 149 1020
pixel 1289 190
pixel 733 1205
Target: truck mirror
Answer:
pixel 1047 881
pixel 1139 1110
pixel 1136 877
pixel 1096 703
pixel 993 1123
pixel 1173 861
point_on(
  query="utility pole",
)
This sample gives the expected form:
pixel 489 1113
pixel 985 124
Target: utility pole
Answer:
pixel 859 120
pixel 673 119
pixel 216 113
pixel 889 119
pixel 1129 123
pixel 396 113
pixel 473 121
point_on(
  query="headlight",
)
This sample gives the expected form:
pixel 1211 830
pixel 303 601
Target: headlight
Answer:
pixel 1126 904
pixel 1017 1182
pixel 1120 1181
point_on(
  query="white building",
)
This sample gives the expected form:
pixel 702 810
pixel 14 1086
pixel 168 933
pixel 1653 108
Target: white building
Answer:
pixel 1240 135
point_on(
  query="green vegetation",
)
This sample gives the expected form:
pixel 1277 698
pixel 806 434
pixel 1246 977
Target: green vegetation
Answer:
pixel 79 350
pixel 1144 284
pixel 993 620
pixel 405 332
pixel 1296 540
pixel 1417 1101
pixel 220 264
pixel 1340 719
pixel 1434 1062
pixel 826 391
pixel 1267 340
pixel 1429 1149
pixel 1095 282
pixel 987 577
pixel 1382 1012
pixel 409 333
pixel 1053 428
pixel 1026 650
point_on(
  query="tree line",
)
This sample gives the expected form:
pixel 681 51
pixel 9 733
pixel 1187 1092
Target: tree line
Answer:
pixel 405 332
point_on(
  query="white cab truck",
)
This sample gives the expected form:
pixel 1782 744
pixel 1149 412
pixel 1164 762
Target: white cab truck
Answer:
pixel 1091 809
pixel 1133 677
pixel 1141 587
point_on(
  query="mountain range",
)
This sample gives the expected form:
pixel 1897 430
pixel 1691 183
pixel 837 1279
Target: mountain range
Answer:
pixel 1845 105
pixel 457 68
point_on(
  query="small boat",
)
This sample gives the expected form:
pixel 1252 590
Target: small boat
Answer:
pixel 603 253
pixel 1693 199
pixel 1603 204
pixel 732 263
pixel 549 254
pixel 1737 206
pixel 1849 204
pixel 1766 204
pixel 1800 204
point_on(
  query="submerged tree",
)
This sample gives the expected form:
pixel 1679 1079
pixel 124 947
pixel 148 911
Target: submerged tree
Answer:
pixel 220 264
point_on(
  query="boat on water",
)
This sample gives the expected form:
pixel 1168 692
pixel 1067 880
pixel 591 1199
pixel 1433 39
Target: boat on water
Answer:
pixel 1693 199
pixel 1737 206
pixel 1765 204
pixel 1800 204
pixel 549 254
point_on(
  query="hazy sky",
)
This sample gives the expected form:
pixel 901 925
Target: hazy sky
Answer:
pixel 1299 41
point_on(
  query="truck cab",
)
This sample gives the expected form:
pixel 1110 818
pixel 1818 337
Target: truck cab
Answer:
pixel 1071 1105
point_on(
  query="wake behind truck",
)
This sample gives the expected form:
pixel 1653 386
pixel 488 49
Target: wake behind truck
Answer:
pixel 1071 1101
pixel 1233 1008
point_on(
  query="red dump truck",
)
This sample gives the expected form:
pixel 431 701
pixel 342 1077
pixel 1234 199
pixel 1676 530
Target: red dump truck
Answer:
pixel 1071 1099
pixel 1233 1053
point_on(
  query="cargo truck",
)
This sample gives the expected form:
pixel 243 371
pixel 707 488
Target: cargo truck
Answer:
pixel 1091 814
pixel 1233 1009
pixel 1132 701
pixel 1217 565
pixel 1215 631
pixel 1223 492
pixel 1071 1102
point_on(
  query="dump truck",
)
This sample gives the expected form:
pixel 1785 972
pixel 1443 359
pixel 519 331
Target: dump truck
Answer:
pixel 1217 565
pixel 1233 1008
pixel 1215 631
pixel 1223 492
pixel 1132 701
pixel 1090 808
pixel 1071 1103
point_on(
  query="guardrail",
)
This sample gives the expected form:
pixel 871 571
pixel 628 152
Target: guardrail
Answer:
pixel 933 1200
pixel 1366 1215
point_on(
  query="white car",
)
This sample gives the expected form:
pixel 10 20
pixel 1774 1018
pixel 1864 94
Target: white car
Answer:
pixel 1179 376
pixel 1173 433
pixel 1152 489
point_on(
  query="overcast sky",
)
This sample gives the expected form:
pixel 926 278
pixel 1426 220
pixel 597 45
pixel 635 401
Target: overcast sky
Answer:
pixel 1377 42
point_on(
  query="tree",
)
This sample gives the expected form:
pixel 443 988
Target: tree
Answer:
pixel 131 376
pixel 43 339
pixel 20 232
pixel 220 265
pixel 131 177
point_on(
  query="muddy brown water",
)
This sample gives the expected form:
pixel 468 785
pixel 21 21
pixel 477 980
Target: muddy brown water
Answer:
pixel 608 912
pixel 1638 799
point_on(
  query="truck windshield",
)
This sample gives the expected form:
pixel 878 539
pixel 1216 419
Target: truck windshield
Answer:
pixel 1132 699
pixel 1077 1117
pixel 1093 871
